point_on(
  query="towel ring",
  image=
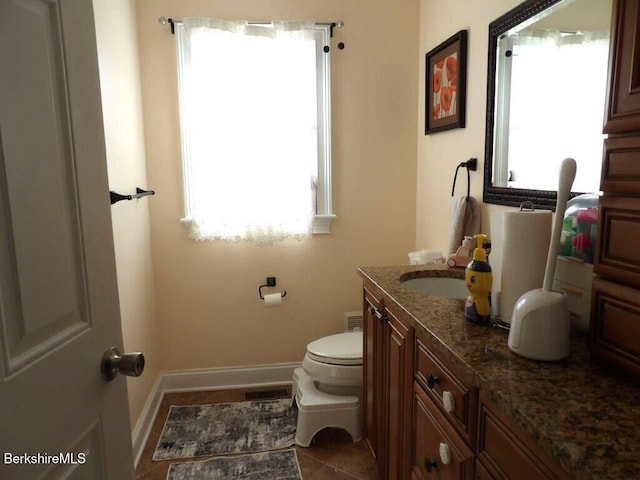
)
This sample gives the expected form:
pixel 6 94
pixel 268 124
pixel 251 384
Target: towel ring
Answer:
pixel 471 164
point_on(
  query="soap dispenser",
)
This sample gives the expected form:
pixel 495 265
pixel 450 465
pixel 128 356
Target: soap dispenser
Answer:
pixel 479 280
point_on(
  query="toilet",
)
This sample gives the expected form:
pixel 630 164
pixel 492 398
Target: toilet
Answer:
pixel 328 387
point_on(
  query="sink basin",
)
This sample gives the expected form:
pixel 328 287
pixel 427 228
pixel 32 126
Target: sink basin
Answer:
pixel 438 286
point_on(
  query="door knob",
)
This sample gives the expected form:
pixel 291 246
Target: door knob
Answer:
pixel 129 364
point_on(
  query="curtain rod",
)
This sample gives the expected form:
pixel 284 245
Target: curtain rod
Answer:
pixel 331 25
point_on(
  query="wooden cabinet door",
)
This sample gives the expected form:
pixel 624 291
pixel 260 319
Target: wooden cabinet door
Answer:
pixel 617 256
pixel 399 363
pixel 615 325
pixel 374 380
pixel 623 100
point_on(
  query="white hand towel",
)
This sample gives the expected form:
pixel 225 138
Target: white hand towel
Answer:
pixel 465 220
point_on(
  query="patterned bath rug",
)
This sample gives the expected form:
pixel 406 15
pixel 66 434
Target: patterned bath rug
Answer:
pixel 226 428
pixel 276 465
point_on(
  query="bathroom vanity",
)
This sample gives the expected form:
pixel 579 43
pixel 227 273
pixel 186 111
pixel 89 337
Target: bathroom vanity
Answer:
pixel 447 399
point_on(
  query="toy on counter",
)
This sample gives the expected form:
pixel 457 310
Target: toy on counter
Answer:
pixel 578 237
pixel 463 255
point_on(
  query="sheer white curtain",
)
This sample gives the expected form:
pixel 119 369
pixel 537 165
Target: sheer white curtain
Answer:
pixel 569 72
pixel 249 127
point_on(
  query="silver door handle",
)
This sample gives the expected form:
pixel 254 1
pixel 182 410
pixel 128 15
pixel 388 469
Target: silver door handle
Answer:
pixel 129 364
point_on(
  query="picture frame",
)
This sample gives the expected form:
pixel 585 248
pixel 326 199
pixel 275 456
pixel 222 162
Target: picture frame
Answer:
pixel 446 85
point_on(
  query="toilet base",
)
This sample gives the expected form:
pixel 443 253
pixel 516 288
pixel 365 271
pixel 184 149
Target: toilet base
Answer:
pixel 318 410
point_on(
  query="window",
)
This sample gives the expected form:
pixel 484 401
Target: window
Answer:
pixel 255 123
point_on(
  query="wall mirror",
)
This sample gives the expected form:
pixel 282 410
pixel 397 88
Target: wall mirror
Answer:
pixel 546 87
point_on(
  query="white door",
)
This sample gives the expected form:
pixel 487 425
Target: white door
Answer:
pixel 58 295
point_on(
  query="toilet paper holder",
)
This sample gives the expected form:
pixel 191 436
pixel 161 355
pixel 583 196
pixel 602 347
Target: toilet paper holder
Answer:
pixel 271 282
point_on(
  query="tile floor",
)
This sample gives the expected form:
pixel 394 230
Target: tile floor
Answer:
pixel 331 456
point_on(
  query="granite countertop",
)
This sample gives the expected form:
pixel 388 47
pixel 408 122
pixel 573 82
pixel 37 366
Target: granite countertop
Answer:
pixel 578 412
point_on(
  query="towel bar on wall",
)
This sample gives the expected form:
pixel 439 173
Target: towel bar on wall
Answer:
pixel 116 197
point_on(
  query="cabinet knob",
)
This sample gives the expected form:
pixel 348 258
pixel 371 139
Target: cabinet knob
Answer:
pixel 432 380
pixel 430 464
pixel 445 454
pixel 448 401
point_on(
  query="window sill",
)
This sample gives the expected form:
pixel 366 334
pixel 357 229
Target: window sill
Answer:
pixel 321 223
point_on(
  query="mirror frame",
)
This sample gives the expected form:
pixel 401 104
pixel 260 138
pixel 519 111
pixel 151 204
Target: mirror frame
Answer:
pixel 542 199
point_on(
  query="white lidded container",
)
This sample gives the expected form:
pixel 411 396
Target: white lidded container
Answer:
pixel 424 256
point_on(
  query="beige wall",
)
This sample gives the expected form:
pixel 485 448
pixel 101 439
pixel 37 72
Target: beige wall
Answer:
pixel 120 85
pixel 207 300
pixel 440 153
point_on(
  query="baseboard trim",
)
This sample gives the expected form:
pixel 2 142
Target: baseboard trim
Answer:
pixel 145 422
pixel 209 379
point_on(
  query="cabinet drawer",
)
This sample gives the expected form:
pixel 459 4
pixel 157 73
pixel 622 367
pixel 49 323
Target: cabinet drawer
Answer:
pixel 504 453
pixel 434 441
pixel 615 324
pixel 621 165
pixel 447 391
pixel 617 252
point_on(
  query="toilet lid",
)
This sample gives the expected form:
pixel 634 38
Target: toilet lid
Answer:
pixel 341 349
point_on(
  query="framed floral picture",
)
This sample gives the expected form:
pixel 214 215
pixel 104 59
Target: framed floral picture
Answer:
pixel 446 84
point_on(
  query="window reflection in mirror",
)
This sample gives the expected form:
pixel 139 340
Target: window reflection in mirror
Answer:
pixel 550 84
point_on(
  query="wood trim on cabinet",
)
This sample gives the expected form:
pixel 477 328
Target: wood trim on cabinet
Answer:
pixel 374 399
pixel 481 472
pixel 400 338
pixel 615 325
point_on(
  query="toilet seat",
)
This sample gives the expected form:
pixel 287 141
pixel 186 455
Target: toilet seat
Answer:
pixel 340 349
pixel 331 374
pixel 335 360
